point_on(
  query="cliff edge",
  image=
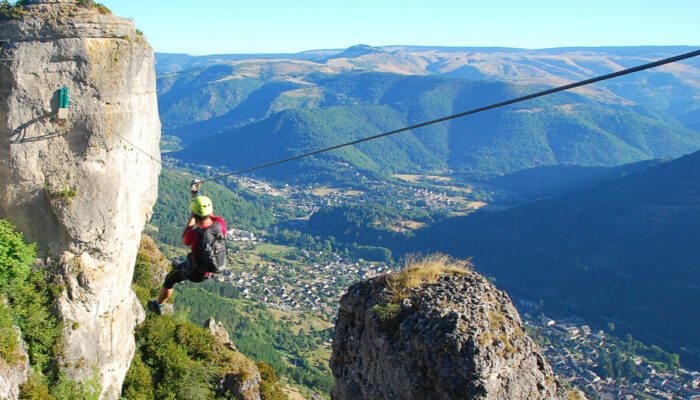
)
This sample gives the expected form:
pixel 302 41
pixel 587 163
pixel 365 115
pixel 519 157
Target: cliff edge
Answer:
pixel 79 162
pixel 435 331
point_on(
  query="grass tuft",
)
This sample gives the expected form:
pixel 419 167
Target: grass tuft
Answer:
pixel 102 9
pixel 424 271
pixel 497 320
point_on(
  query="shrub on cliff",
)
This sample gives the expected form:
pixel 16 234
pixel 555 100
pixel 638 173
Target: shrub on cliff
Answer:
pixel 9 344
pixel 149 271
pixel 269 387
pixel 91 4
pixel 26 300
pixel 8 11
pixel 15 255
pixel 177 356
pixel 29 299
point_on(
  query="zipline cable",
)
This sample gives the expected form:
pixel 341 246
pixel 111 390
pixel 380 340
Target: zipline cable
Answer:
pixel 138 148
pixel 473 111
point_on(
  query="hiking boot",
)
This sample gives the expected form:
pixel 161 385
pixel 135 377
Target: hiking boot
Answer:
pixel 154 307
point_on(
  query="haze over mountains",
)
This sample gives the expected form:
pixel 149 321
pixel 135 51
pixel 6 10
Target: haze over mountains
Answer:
pixel 275 106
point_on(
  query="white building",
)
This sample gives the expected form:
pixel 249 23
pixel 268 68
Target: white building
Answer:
pixel 240 235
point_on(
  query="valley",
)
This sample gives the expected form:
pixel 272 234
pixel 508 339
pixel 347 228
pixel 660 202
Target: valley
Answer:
pixel 298 276
pixel 303 287
pixel 529 192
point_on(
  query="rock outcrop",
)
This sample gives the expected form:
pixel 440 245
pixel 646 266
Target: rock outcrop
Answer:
pixel 241 379
pixel 81 182
pixel 456 338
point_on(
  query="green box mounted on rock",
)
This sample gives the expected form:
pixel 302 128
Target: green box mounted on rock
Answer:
pixel 63 97
pixel 63 103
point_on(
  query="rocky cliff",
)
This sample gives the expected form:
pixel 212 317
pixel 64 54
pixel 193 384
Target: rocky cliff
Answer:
pixel 241 378
pixel 81 181
pixel 435 331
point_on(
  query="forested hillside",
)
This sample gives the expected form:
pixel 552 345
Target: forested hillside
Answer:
pixel 563 128
pixel 670 89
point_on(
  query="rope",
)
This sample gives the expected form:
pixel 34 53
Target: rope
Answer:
pixel 138 148
pixel 473 111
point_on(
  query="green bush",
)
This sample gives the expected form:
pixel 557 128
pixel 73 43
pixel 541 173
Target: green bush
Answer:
pixel 102 9
pixel 138 384
pixel 388 316
pixel 69 389
pixel 386 312
pixel 149 269
pixel 30 298
pixel 86 3
pixel 15 255
pixel 269 387
pixel 31 301
pixel 177 355
pixel 34 389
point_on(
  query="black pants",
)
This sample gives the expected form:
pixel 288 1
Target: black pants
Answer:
pixel 184 271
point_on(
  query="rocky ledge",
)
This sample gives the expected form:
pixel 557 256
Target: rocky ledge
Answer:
pixel 457 337
pixel 62 19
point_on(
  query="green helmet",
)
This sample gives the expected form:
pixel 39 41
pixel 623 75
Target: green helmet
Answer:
pixel 201 206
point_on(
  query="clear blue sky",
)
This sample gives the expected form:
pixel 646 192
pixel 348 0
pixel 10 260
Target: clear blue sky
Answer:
pixel 250 26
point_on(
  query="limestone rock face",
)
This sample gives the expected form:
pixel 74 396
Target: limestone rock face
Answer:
pixel 15 373
pixel 459 338
pixel 81 186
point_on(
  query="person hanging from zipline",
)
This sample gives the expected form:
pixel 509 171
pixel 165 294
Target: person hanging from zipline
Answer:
pixel 206 236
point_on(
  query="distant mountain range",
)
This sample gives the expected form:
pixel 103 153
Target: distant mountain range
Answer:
pixel 670 87
pixel 266 106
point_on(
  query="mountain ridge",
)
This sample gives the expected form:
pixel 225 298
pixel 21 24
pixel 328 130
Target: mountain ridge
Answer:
pixel 550 67
pixel 173 62
pixel 562 128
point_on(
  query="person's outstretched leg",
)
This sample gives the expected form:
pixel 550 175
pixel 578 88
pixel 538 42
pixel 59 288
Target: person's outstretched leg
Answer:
pixel 177 275
pixel 163 295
